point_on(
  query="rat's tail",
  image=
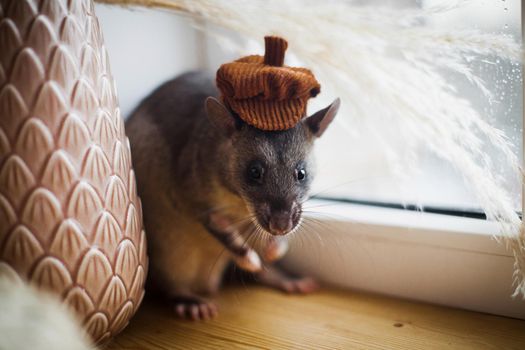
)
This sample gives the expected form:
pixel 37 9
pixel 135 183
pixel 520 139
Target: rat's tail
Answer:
pixel 31 319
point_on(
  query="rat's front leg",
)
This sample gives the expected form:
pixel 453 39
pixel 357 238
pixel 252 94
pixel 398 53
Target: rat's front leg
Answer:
pixel 243 255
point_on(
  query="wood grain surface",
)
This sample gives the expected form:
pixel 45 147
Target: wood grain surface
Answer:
pixel 258 318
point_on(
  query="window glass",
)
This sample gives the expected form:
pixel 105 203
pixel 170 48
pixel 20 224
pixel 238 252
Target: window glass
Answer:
pixel 354 167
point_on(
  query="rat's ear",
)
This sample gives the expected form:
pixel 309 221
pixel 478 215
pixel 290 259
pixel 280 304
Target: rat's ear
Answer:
pixel 220 116
pixel 319 121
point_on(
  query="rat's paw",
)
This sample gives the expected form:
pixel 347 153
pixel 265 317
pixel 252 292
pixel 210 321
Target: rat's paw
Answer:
pixel 303 285
pixel 249 262
pixel 278 280
pixel 275 249
pixel 194 308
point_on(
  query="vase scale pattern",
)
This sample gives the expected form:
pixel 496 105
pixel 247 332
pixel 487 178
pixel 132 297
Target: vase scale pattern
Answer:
pixel 70 217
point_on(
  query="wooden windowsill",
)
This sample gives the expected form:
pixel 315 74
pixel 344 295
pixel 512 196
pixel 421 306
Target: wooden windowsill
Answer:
pixel 257 318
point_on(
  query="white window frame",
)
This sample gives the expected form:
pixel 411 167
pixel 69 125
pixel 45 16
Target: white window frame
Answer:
pixel 441 259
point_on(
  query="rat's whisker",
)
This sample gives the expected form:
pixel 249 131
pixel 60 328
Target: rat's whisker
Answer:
pixel 323 205
pixel 331 216
pixel 240 221
pixel 351 181
pixel 311 226
pixel 212 268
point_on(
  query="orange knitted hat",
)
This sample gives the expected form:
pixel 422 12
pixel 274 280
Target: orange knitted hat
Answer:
pixel 263 92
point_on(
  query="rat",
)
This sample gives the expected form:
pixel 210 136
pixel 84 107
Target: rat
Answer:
pixel 209 182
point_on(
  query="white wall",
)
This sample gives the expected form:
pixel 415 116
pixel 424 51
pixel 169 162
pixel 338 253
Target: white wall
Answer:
pixel 146 48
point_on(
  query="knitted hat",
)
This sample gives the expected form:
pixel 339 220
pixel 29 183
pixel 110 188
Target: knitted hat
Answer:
pixel 263 92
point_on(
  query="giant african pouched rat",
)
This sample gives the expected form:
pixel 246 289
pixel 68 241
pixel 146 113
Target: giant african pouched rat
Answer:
pixel 201 172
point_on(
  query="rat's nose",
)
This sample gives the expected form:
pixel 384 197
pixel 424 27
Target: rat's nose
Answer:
pixel 281 223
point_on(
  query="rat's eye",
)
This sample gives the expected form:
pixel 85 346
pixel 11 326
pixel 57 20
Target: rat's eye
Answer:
pixel 301 174
pixel 255 172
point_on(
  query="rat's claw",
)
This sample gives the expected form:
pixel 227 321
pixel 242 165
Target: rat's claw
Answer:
pixel 249 261
pixel 275 249
pixel 194 308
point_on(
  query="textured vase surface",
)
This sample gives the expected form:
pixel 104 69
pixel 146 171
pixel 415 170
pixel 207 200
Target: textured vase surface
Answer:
pixel 70 218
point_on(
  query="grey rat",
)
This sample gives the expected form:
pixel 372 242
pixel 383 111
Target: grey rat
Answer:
pixel 208 181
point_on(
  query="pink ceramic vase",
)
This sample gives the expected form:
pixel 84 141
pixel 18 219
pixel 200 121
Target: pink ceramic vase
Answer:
pixel 70 218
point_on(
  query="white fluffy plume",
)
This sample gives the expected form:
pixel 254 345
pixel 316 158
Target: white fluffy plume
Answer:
pixel 388 67
pixel 32 319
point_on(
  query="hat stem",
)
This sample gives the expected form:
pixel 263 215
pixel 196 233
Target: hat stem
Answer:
pixel 274 49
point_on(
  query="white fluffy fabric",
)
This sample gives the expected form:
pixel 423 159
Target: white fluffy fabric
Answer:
pixel 31 319
pixel 387 67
